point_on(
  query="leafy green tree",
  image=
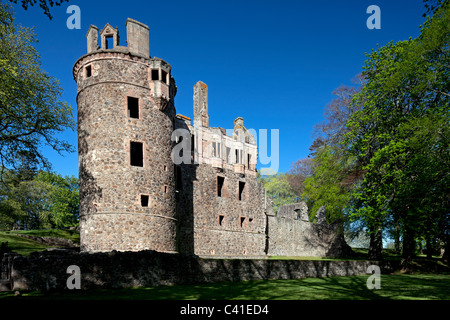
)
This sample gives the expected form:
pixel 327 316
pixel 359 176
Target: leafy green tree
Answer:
pixel 61 201
pixel 10 208
pixel 329 184
pixel 400 136
pixel 31 195
pixel 46 201
pixel 31 112
pixel 278 188
pixel 433 5
pixel 21 201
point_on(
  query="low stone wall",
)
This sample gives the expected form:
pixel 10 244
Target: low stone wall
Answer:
pixel 47 270
pixel 289 237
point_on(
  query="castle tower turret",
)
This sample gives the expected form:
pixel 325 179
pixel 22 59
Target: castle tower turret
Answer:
pixel 125 120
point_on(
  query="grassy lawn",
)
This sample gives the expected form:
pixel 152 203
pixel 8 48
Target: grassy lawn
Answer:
pixel 25 246
pixel 57 233
pixel 393 287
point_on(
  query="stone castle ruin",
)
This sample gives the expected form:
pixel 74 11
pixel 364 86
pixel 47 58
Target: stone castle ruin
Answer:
pixel 134 196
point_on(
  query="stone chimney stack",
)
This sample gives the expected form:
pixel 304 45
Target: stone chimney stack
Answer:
pixel 138 38
pixel 92 39
pixel 201 117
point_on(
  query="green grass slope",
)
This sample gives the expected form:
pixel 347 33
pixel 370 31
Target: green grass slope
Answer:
pixel 25 246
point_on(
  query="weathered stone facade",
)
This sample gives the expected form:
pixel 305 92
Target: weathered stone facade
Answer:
pixel 292 234
pixel 225 225
pixel 152 180
pixel 222 206
pixel 125 205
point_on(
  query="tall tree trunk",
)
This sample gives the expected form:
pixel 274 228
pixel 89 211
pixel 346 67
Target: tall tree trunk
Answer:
pixel 376 245
pixel 396 235
pixel 409 246
pixel 446 254
pixel 429 247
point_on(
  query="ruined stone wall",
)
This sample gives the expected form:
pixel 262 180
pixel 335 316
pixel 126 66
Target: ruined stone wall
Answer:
pixel 112 216
pixel 221 225
pixel 291 234
pixel 48 270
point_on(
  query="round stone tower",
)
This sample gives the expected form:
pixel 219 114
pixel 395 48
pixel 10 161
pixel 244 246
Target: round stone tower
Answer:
pixel 125 121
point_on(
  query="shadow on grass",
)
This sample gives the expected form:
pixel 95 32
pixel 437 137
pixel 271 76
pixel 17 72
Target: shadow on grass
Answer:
pixel 403 287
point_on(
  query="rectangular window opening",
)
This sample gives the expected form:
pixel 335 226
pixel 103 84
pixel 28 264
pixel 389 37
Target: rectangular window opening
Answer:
pixel 109 43
pixel 155 74
pixel 242 221
pixel 144 200
pixel 220 182
pixel 88 71
pixel 133 107
pixel 214 149
pixel 136 154
pixel 221 217
pixel 248 161
pixel 164 76
pixel 241 190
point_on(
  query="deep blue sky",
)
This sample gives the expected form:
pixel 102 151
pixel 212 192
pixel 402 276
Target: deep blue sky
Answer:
pixel 274 63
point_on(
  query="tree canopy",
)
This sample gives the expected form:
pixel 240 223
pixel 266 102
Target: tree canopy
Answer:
pixel 45 200
pixel 31 116
pixel 401 135
pixel 278 188
pixel 43 4
pixel 31 111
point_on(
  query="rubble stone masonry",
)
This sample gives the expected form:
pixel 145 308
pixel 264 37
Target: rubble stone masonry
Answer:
pixel 127 195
